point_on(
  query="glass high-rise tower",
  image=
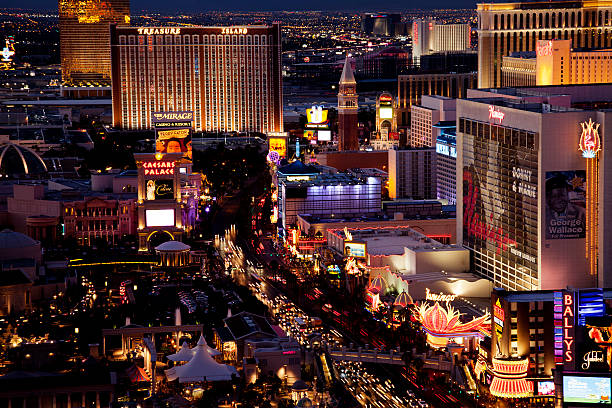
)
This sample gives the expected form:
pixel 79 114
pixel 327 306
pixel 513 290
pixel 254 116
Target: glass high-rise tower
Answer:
pixel 85 39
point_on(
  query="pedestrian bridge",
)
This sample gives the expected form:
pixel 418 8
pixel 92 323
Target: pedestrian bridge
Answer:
pixel 365 355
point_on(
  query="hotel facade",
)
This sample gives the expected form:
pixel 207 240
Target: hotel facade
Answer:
pixel 531 205
pixel 229 77
pixel 504 28
pixel 84 39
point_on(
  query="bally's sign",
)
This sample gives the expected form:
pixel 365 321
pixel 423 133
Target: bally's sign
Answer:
pixel 153 31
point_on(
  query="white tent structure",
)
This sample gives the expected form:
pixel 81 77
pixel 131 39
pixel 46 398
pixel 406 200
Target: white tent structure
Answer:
pixel 186 354
pixel 201 367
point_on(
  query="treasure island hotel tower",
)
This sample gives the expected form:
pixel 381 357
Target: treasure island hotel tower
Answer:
pixel 229 77
pixel 85 44
pixel 504 28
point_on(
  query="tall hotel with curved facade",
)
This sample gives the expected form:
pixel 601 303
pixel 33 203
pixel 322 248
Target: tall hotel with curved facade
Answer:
pixel 229 77
pixel 84 40
pixel 504 28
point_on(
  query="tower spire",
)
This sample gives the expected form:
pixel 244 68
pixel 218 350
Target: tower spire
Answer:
pixel 347 72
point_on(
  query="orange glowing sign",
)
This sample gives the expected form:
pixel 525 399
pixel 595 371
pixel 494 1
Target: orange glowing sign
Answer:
pixel 590 142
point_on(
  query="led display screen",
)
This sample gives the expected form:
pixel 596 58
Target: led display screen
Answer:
pixel 587 390
pixel 160 218
pixel 546 388
pixel 385 113
pixel 355 249
pixel 324 135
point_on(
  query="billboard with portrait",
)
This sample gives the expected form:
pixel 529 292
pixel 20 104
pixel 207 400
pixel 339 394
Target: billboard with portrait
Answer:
pixel 162 189
pixel 173 132
pixel 565 204
pixel 355 249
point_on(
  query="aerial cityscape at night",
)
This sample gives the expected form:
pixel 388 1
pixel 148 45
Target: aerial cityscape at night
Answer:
pixel 326 205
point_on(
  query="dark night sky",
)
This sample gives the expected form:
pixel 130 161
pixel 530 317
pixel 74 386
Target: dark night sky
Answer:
pixel 197 5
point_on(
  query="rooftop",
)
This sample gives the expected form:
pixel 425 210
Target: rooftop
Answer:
pixel 385 241
pixel 338 179
pixel 244 324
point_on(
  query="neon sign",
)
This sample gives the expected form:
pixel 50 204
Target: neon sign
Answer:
pixel 159 168
pixel 172 116
pixel 441 297
pixel 153 31
pixel 233 30
pixel 590 142
pixel 544 48
pixel 7 52
pixel 477 227
pixel 498 317
pixel 316 114
pixel 386 98
pixel 568 330
pixel 495 114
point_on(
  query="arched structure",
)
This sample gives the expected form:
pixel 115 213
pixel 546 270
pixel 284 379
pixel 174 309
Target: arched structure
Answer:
pixel 17 161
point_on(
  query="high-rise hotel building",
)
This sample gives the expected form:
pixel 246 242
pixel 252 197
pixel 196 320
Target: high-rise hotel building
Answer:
pixel 504 28
pixel 532 205
pixel 85 39
pixel 229 77
pixel 428 37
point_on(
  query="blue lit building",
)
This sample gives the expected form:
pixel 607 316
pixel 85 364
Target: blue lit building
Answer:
pixel 446 157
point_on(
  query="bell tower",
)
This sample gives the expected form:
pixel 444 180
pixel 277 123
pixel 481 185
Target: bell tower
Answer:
pixel 347 109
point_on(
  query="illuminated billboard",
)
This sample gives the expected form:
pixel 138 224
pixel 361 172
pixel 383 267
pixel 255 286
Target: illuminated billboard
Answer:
pixel 159 218
pixel 565 204
pixel 586 390
pixel 160 189
pixel 317 118
pixel 173 132
pixel 385 113
pixel 278 144
pixel 546 388
pixel 324 136
pixel 355 249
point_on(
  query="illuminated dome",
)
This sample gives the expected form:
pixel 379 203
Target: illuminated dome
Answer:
pixel 402 300
pixel 16 160
pixel 377 285
pixel 172 246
